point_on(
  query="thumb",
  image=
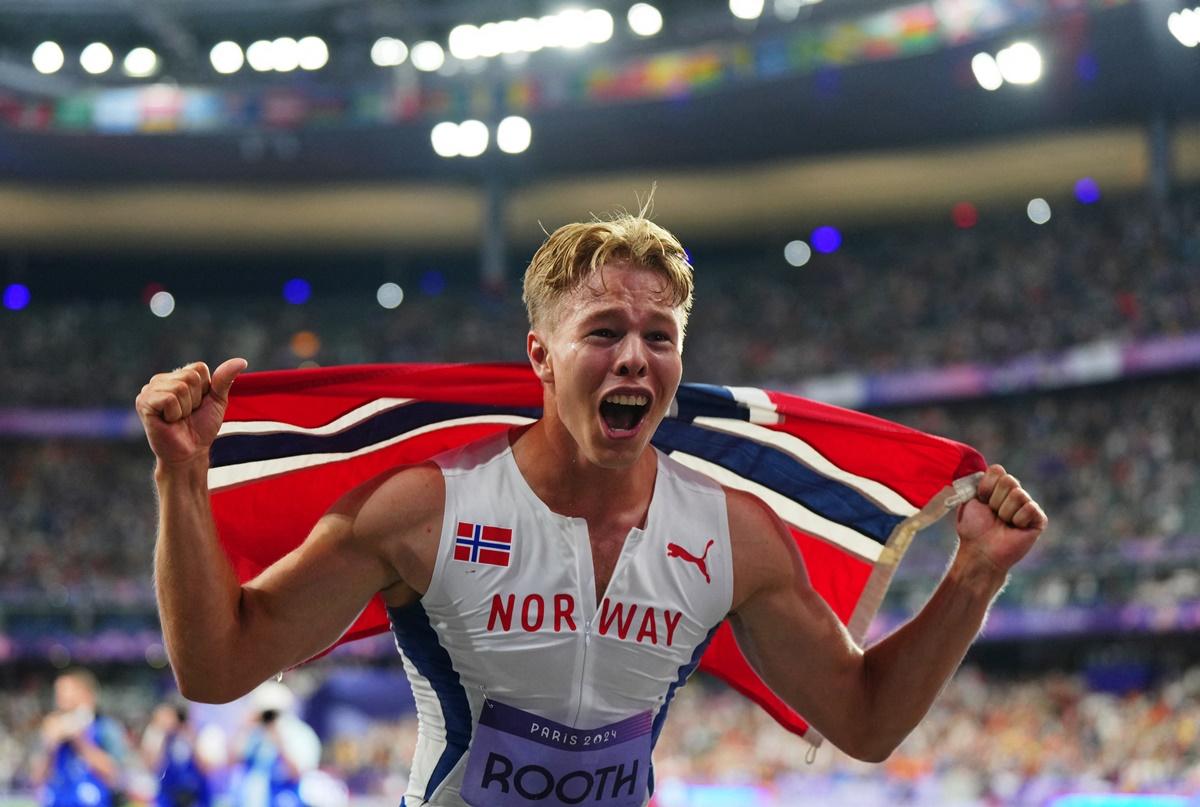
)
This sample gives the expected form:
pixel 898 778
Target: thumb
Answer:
pixel 224 376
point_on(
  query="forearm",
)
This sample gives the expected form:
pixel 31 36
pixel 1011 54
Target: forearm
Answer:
pixel 198 593
pixel 903 674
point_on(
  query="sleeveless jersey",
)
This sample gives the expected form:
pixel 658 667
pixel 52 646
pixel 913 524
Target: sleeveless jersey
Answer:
pixel 510 623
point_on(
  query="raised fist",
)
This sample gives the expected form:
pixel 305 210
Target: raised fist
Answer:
pixel 182 411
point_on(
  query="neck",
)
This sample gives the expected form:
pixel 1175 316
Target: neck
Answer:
pixel 570 485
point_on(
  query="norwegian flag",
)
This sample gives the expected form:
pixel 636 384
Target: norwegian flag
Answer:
pixel 853 488
pixel 482 543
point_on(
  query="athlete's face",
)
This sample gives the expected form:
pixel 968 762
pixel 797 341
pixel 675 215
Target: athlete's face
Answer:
pixel 611 364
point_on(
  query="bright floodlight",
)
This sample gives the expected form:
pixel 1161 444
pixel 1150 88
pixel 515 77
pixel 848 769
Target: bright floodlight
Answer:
pixel 96 58
pixel 390 295
pixel 746 9
pixel 140 62
pixel 48 58
pixel 162 304
pixel 1020 63
pixel 314 53
pixel 261 55
pixel 388 52
pixel 428 56
pixel 573 27
pixel 644 19
pixel 490 40
pixel 1185 26
pixel 513 134
pixel 445 139
pixel 464 42
pixel 986 71
pixel 797 253
pixel 472 138
pixel 599 26
pixel 287 54
pixel 550 31
pixel 529 36
pixel 509 36
pixel 226 57
pixel 1038 211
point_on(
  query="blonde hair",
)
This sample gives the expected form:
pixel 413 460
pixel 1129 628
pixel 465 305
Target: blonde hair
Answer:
pixel 574 251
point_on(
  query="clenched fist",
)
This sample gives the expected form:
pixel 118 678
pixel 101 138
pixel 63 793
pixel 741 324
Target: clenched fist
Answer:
pixel 182 411
pixel 1002 523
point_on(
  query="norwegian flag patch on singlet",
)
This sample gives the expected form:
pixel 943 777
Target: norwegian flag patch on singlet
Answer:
pixel 483 543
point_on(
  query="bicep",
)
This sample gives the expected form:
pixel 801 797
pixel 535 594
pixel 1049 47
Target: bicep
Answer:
pixel 787 632
pixel 305 601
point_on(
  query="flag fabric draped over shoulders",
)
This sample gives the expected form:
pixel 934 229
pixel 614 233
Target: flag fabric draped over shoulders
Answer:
pixel 853 488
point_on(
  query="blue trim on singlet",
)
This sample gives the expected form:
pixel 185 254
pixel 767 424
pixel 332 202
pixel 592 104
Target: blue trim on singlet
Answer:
pixel 685 672
pixel 779 471
pixel 419 643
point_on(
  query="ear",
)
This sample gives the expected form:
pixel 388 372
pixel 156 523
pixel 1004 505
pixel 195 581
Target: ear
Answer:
pixel 539 357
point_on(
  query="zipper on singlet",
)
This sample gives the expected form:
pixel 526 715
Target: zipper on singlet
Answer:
pixel 587 641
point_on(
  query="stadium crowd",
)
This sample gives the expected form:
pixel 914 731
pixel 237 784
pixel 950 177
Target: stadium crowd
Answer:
pixel 987 741
pixel 883 301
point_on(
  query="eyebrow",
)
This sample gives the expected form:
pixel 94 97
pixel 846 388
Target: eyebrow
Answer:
pixel 618 311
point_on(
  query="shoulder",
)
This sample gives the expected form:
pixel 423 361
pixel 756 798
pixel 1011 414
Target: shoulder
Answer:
pixel 764 552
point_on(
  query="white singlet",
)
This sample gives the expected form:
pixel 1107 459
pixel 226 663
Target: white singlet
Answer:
pixel 510 626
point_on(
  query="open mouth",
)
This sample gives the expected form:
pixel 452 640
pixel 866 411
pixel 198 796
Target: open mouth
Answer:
pixel 624 413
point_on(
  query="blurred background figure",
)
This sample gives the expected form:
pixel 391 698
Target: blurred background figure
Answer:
pixel 83 751
pixel 169 750
pixel 274 752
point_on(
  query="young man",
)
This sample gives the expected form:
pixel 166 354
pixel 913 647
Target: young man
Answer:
pixel 538 681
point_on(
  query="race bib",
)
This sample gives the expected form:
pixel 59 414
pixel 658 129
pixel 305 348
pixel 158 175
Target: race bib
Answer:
pixel 519 759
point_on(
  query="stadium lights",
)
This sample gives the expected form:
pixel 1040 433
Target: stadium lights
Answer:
pixel 570 29
pixel 470 138
pixel 388 52
pixel 797 253
pixel 1185 26
pixel 746 9
pixel 1038 210
pixel 644 19
pixel 162 304
pixel 285 52
pixel 48 58
pixel 261 55
pixel 389 295
pixel 314 53
pixel 1019 63
pixel 140 63
pixel 96 58
pixel 227 57
pixel 428 56
pixel 514 134
pixel 788 10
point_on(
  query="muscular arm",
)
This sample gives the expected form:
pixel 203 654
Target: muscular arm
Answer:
pixel 223 638
pixel 864 701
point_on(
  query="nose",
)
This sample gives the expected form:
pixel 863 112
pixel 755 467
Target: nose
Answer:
pixel 631 360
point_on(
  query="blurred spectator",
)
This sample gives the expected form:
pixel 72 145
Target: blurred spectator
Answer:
pixel 169 749
pixel 275 751
pixel 83 751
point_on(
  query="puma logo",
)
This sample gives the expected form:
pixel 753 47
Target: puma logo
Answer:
pixel 677 551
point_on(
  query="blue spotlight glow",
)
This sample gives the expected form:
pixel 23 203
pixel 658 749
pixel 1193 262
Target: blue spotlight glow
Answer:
pixel 16 297
pixel 297 291
pixel 433 283
pixel 1087 191
pixel 826 239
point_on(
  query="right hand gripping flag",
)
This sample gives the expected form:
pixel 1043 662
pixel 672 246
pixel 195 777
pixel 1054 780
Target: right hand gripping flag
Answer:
pixel 853 488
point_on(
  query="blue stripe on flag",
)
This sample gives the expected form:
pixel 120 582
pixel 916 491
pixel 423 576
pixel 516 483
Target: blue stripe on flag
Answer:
pixel 685 672
pixel 419 643
pixel 782 473
pixel 235 449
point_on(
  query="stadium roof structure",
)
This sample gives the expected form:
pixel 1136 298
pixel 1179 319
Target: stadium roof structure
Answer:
pixel 710 90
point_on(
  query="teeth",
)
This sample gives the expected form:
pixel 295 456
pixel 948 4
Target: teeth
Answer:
pixel 628 400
